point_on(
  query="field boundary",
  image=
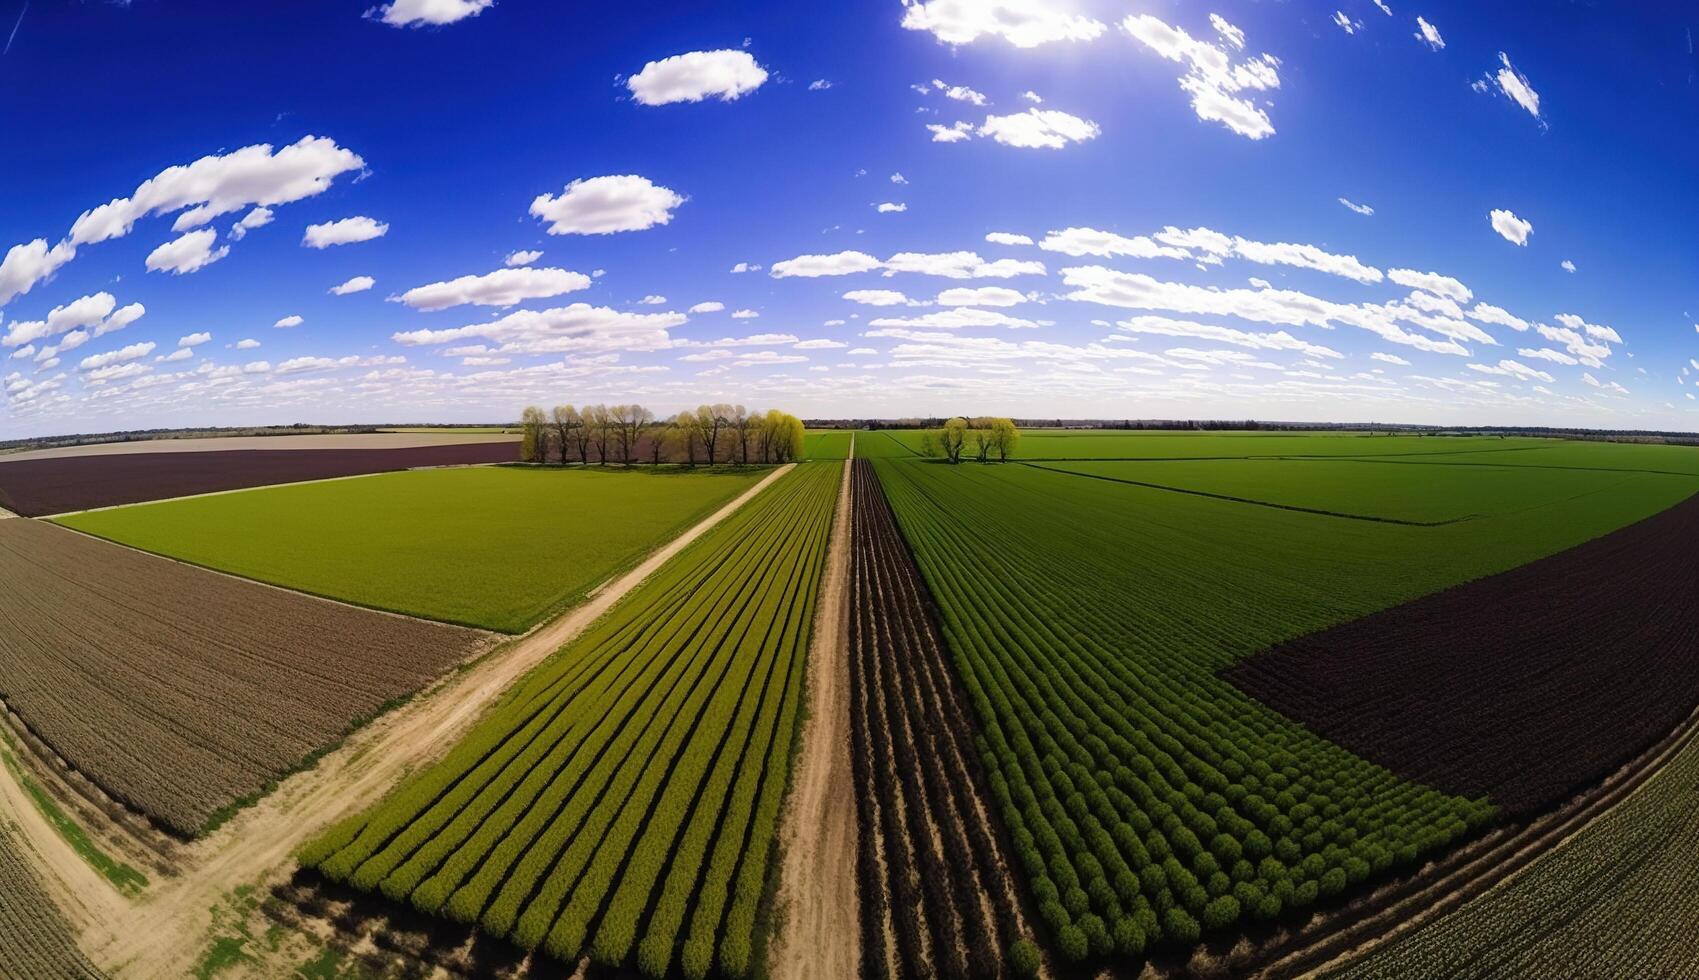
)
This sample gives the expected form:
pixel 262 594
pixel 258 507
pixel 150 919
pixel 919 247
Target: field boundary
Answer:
pixel 1249 500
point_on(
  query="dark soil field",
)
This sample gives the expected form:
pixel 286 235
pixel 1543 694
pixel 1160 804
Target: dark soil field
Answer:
pixel 1523 687
pixel 937 898
pixel 36 487
pixel 178 691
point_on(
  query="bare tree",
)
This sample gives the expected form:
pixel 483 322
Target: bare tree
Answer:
pixel 686 424
pixel 628 423
pixel 711 422
pixel 567 422
pixel 599 420
pixel 982 437
pixel 534 443
pixel 662 434
pixel 743 426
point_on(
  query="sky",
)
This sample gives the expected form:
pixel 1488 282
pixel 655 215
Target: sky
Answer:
pixel 1445 212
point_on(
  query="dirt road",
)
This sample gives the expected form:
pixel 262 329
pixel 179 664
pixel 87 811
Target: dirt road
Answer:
pixel 163 933
pixel 819 935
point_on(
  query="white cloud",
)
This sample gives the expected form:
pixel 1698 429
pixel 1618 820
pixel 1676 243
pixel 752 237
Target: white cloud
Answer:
pixel 1090 241
pixel 1513 369
pixel 345 232
pixel 257 218
pixel 1567 265
pixel 180 354
pixel 289 322
pixel 1515 85
pixel 710 306
pixel 957 319
pixel 981 296
pixel 1589 352
pixel 1389 359
pixel 422 13
pixel 98 312
pixel 1007 238
pixel 191 252
pixel 1281 340
pixel 891 208
pixel 503 287
pixel 1592 330
pixel 1610 386
pixel 950 134
pixel 31 263
pixel 1345 23
pixel 1514 229
pixel 898 178
pixel 248 344
pixel 1432 282
pixel 879 297
pixel 1547 354
pixel 1305 257
pixel 604 205
pixel 123 355
pixel 577 328
pixel 358 284
pixel 726 74
pixel 1211 79
pixel 1362 209
pixel 1022 23
pixel 653 299
pixel 959 93
pixel 744 315
pixel 745 267
pixel 194 339
pixel 522 257
pixel 1032 97
pixel 1487 313
pixel 1383 7
pixel 812 266
pixel 115 372
pixel 1428 34
pixel 819 343
pixel 1049 129
pixel 819 85
pixel 960 265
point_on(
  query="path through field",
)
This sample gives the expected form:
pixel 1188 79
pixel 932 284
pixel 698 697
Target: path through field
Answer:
pixel 819 935
pixel 164 932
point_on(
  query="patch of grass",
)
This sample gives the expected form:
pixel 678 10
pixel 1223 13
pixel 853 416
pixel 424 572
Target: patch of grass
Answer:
pixel 125 878
pixel 499 548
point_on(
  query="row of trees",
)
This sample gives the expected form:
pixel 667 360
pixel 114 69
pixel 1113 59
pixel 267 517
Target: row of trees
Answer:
pixel 627 434
pixel 985 437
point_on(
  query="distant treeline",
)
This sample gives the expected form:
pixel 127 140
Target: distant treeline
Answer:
pixel 1254 425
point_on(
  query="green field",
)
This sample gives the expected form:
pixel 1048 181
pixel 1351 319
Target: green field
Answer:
pixel 1176 444
pixel 827 444
pixel 622 801
pixel 1616 900
pixel 495 547
pixel 1146 798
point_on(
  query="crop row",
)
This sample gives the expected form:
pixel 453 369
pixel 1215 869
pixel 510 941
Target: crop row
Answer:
pixel 35 943
pixel 1146 799
pixel 937 896
pixel 622 801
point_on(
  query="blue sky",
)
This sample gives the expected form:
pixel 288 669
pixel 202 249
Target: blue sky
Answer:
pixel 1163 182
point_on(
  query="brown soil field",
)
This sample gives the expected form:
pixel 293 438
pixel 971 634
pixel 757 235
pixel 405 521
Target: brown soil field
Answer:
pixel 1523 687
pixel 179 691
pixel 38 487
pixel 937 896
pixel 34 941
pixel 215 444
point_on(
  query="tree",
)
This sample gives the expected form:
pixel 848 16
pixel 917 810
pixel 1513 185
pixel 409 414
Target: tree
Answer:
pixel 785 437
pixel 743 428
pixel 955 437
pixel 981 429
pixel 928 443
pixel 534 444
pixel 685 423
pixel 711 421
pixel 1004 436
pixel 628 423
pixel 567 423
pixel 599 420
pixel 663 433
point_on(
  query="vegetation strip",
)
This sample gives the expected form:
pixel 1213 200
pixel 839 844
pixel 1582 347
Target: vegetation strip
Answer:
pixel 123 877
pixel 178 691
pixel 1524 686
pixel 622 801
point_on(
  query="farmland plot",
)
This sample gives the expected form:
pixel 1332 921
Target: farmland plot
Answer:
pixel 61 484
pixel 1146 798
pixel 826 444
pixel 495 547
pixel 35 943
pixel 937 896
pixel 1619 899
pixel 179 692
pixel 623 800
pixel 1131 444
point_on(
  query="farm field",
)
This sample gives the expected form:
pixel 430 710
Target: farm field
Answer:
pixel 217 444
pixel 622 801
pixel 494 547
pixel 59 485
pixel 937 892
pixel 35 943
pixel 1618 899
pixel 826 444
pixel 1075 444
pixel 1148 800
pixel 179 692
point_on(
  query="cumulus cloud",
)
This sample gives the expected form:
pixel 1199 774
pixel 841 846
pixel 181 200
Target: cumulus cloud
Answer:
pixel 1515 85
pixel 959 93
pixel 257 218
pixel 194 339
pixel 344 232
pixel 819 343
pixel 1593 330
pixel 1389 359
pixel 653 299
pixel 1007 238
pixel 1514 229
pixel 960 265
pixel 710 306
pixel 1610 386
pixel 813 266
pixel 1567 265
pixel 579 327
pixel 522 257
pixel 1428 34
pixel 744 315
pixel 191 252
pixel 180 354
pixel 1345 23
pixel 503 287
pixel 1091 241
pixel 289 322
pixel 1488 313
pixel 890 208
pixel 31 263
pixel 726 74
pixel 957 319
pixel 1547 354
pixel 1513 369
pixel 819 85
pixel 1022 23
pixel 954 133
pixel 121 356
pixel 97 314
pixel 604 205
pixel 1362 209
pixel 879 297
pixel 358 284
pixel 1432 282
pixel 1280 340
pixel 247 344
pixel 1214 82
pixel 1049 129
pixel 981 296
pixel 428 13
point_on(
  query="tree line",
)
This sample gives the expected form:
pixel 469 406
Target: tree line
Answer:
pixel 628 434
pixel 984 437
